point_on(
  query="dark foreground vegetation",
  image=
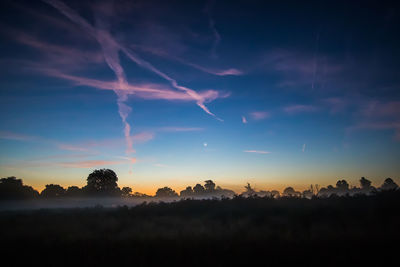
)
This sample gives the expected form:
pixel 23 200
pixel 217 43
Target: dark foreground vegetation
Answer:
pixel 264 231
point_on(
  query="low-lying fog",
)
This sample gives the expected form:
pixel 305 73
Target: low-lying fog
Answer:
pixel 56 203
pixel 66 203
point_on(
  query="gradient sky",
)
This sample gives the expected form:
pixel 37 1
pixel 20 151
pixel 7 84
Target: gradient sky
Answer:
pixel 178 92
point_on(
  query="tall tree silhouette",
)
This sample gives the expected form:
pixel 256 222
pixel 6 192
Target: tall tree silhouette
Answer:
pixel 102 182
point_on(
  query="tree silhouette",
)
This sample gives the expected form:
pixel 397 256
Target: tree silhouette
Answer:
pixel 126 191
pixel 102 182
pixel 275 194
pixel 73 191
pixel 342 185
pixel 166 192
pixel 187 192
pixel 365 183
pixel 13 188
pixel 198 189
pixel 209 186
pixel 389 184
pixel 289 192
pixel 249 191
pixel 53 190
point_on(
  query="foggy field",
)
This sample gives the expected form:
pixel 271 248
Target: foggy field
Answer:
pixel 68 203
pixel 335 230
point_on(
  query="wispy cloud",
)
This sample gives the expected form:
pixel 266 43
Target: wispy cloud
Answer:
pixel 303 148
pixel 336 104
pixel 16 136
pixel 91 145
pixel 257 151
pixel 164 54
pixel 260 115
pixel 71 147
pixel 211 23
pixel 181 129
pixel 89 163
pixel 60 55
pixel 377 126
pixel 295 109
pixel 111 49
pixel 300 69
pixel 377 115
pixel 244 120
pixel 143 137
pixel 84 146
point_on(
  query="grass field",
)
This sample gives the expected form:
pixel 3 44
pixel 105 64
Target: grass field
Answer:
pixel 240 231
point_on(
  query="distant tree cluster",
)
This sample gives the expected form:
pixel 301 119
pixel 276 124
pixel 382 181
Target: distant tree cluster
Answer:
pixel 342 188
pixel 208 190
pixel 103 183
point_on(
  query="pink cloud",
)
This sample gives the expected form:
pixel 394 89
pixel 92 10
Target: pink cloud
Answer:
pixel 294 109
pixel 61 55
pixel 146 91
pixel 336 104
pixel 260 115
pixel 244 120
pixel 377 115
pixel 377 126
pixel 380 109
pixel 168 55
pixel 235 72
pixel 143 137
pixel 111 49
pixel 211 23
pixel 139 138
pixel 257 151
pixel 302 69
pixel 72 148
pixel 90 163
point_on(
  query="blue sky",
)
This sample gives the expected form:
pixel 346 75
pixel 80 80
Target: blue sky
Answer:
pixel 176 93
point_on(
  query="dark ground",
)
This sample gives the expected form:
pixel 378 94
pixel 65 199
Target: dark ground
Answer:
pixel 359 230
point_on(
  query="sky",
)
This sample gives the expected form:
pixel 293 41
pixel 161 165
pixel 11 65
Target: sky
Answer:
pixel 172 93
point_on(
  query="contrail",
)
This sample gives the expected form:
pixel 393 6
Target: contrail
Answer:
pixel 211 25
pixel 315 60
pixel 110 53
pixel 110 50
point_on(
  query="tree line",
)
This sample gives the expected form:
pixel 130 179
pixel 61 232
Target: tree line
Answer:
pixel 103 183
